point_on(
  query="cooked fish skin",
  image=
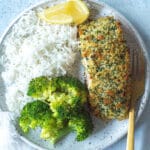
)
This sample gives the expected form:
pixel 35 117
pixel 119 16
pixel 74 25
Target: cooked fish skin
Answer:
pixel 106 59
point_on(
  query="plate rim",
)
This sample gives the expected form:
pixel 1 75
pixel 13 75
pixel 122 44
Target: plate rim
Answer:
pixel 139 38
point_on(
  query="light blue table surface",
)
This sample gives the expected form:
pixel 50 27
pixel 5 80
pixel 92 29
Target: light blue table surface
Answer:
pixel 138 13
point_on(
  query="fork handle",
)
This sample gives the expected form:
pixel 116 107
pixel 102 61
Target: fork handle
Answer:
pixel 130 135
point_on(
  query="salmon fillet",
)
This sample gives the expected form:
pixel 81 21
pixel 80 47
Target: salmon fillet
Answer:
pixel 106 59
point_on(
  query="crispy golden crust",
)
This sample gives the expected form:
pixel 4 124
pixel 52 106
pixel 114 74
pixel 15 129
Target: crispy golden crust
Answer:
pixel 107 63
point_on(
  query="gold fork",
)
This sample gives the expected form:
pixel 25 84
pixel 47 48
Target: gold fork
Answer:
pixel 138 78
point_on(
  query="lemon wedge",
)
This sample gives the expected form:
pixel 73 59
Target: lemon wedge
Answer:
pixel 72 11
pixel 78 10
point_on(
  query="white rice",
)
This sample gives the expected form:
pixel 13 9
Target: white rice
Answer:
pixel 33 49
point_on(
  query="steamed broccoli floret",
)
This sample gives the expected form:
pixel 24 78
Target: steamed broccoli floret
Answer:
pixel 38 114
pixel 73 87
pixel 38 87
pixel 82 125
pixel 33 114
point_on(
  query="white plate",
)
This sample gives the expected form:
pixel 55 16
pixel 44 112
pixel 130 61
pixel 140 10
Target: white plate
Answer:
pixel 105 133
